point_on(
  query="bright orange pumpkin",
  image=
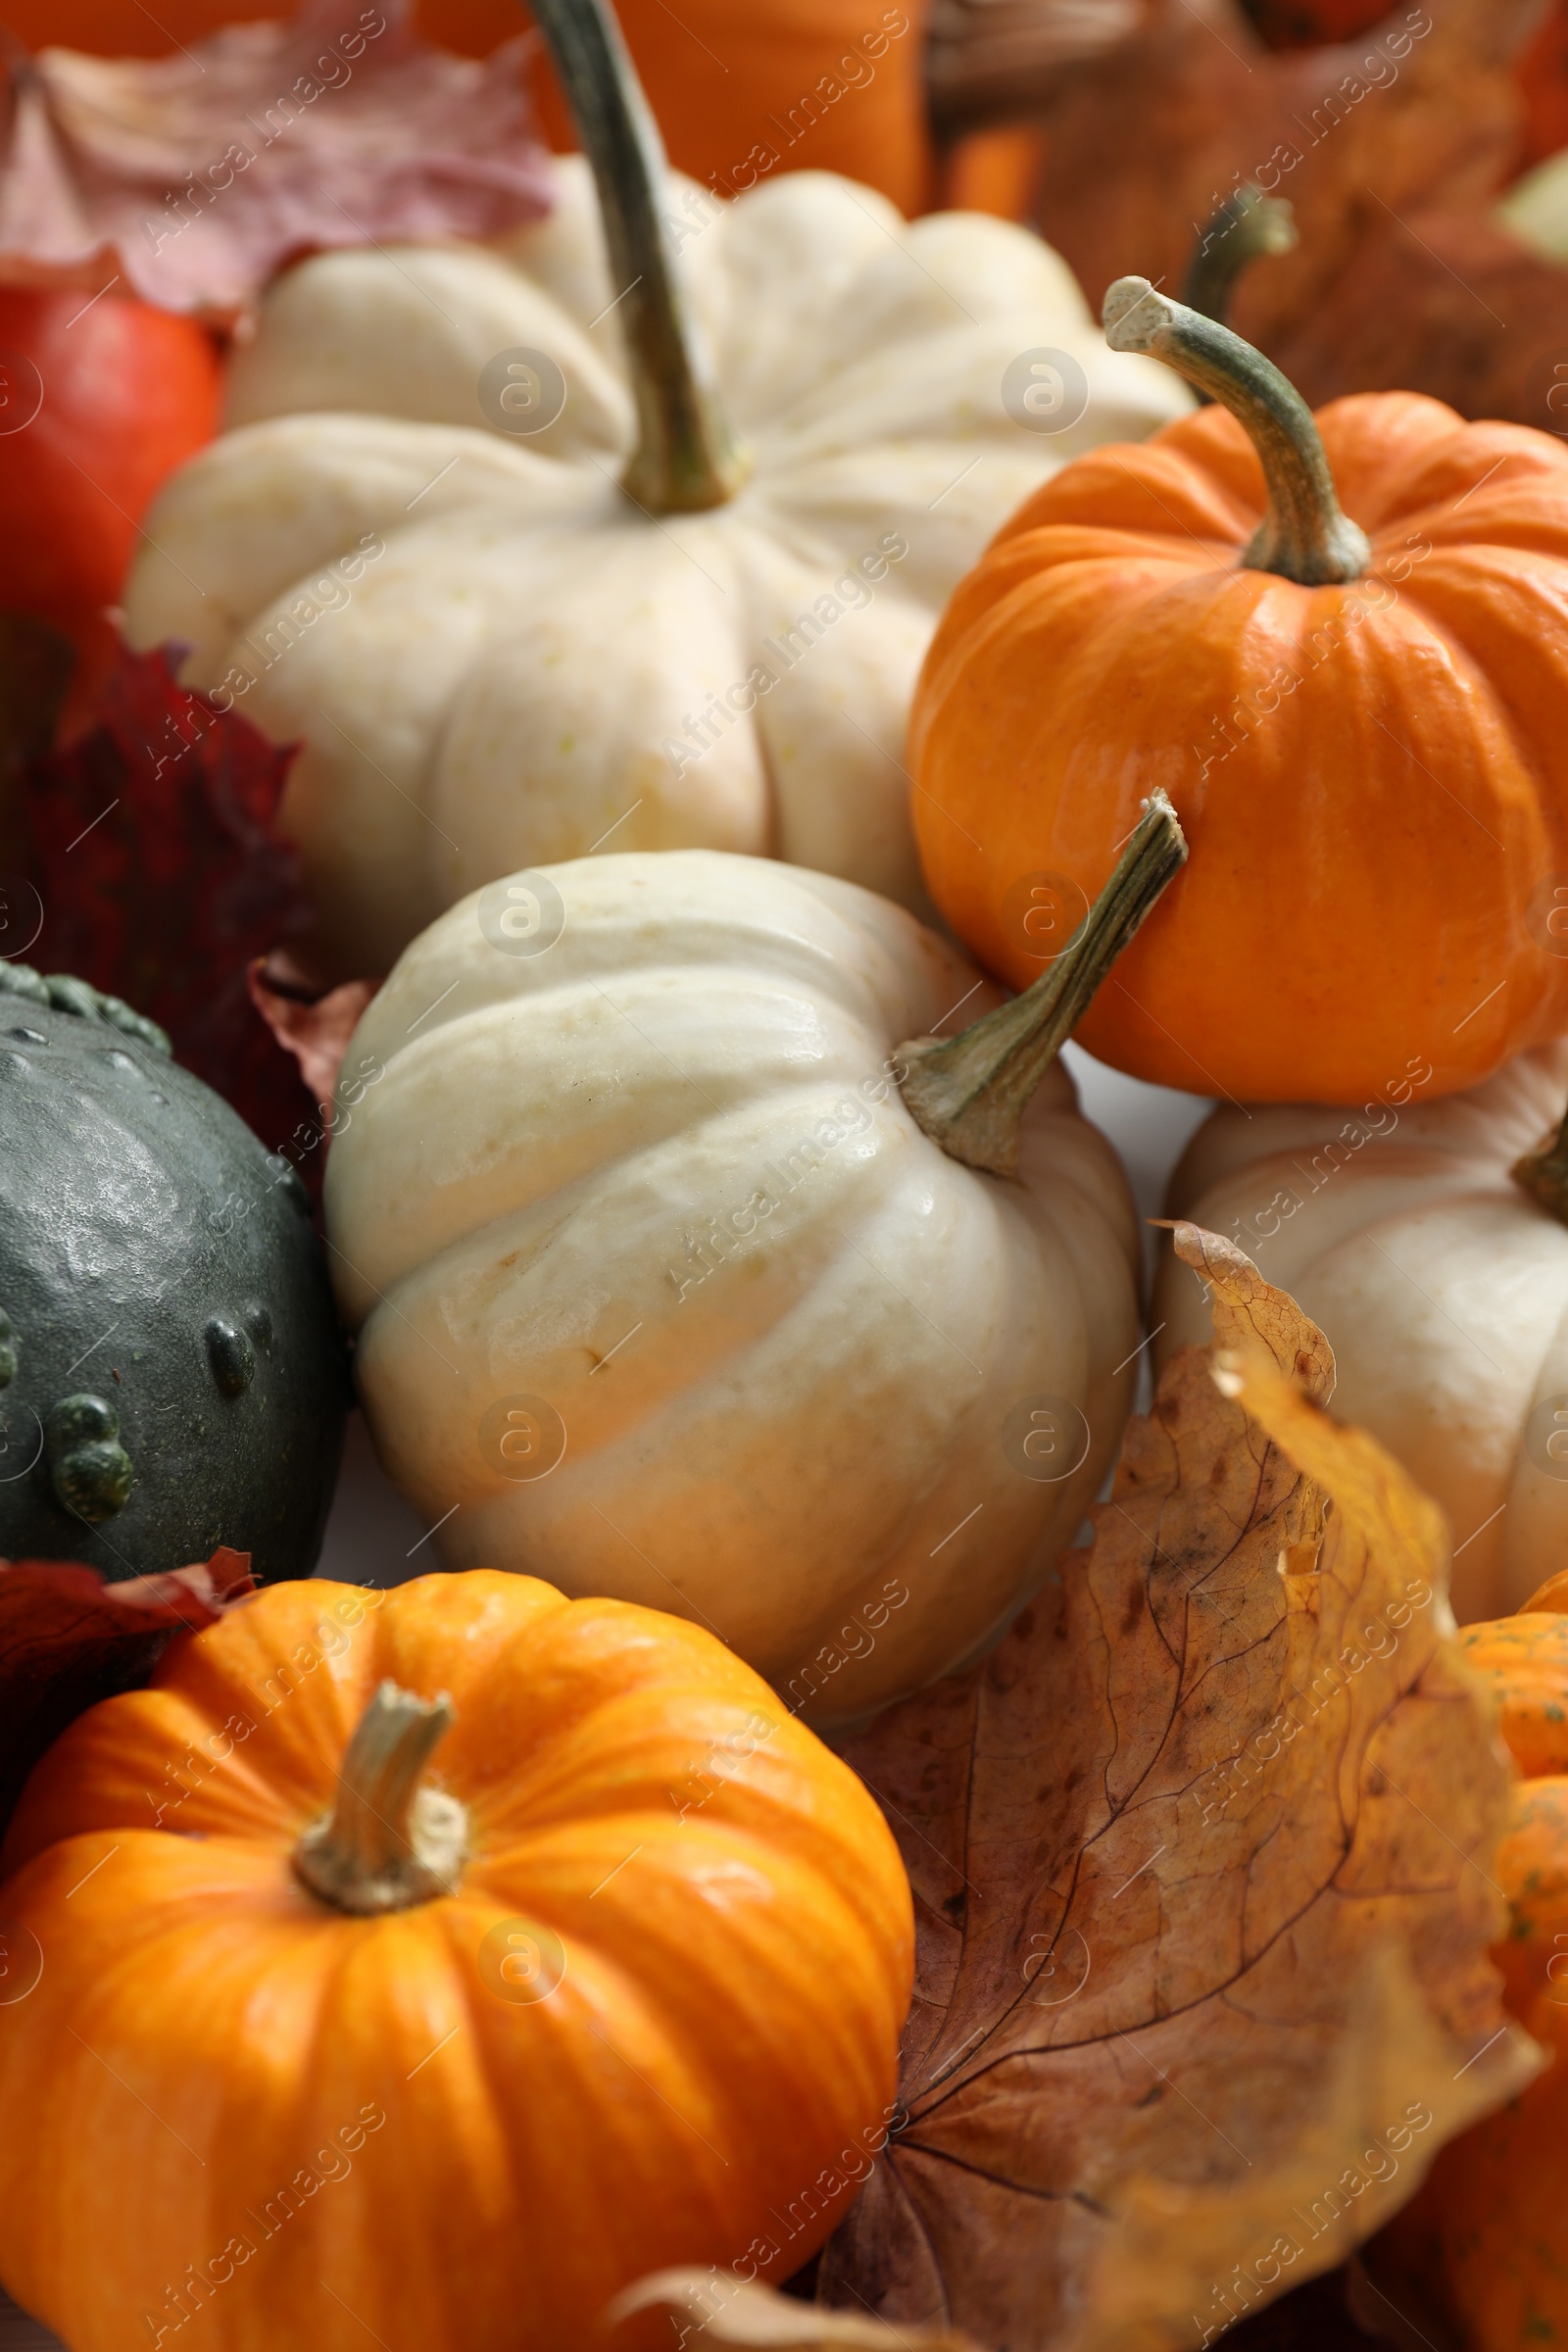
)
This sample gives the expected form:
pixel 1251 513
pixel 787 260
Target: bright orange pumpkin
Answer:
pixel 779 85
pixel 1484 2241
pixel 126 393
pixel 1372 771
pixel 655 2022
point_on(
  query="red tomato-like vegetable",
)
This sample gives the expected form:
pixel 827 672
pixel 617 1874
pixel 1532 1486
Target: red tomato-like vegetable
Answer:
pixel 100 400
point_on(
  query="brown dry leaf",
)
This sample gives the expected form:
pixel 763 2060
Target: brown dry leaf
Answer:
pixel 1201 1861
pixel 986 59
pixel 728 2312
pixel 190 179
pixel 1393 150
pixel 315 1029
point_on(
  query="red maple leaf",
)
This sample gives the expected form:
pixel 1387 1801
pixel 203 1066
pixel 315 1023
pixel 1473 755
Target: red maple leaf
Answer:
pixel 68 1639
pixel 163 876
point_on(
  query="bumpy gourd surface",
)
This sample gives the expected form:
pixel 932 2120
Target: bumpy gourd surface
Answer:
pixel 172 1374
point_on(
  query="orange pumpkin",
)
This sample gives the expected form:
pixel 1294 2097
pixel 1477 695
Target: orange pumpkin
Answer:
pixel 1484 2241
pixel 1365 730
pixel 776 85
pixel 329 2056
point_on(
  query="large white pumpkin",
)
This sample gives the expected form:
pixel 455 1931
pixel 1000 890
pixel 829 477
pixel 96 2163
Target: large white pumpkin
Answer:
pixel 662 1292
pixel 494 658
pixel 1442 1286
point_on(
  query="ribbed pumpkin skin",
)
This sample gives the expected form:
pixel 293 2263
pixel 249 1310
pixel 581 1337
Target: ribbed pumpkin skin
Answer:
pixel 1486 2238
pixel 1367 844
pixel 203 2029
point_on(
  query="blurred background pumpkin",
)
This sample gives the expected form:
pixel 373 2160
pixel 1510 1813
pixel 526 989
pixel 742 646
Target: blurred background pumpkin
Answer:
pixel 720 79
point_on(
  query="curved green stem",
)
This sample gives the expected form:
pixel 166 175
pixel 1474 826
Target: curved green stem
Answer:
pixel 1304 536
pixel 387 1843
pixel 1543 1172
pixel 1244 228
pixel 686 458
pixel 969 1092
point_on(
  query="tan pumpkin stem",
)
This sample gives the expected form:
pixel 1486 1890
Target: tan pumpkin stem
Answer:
pixel 1304 536
pixel 686 458
pixel 1543 1172
pixel 969 1092
pixel 387 1843
pixel 1244 228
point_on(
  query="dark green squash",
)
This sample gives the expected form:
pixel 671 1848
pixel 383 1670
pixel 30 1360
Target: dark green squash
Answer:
pixel 173 1375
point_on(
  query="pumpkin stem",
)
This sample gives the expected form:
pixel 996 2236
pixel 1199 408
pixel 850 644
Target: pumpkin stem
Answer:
pixel 969 1092
pixel 686 458
pixel 1543 1172
pixel 387 1843
pixel 1304 536
pixel 1248 226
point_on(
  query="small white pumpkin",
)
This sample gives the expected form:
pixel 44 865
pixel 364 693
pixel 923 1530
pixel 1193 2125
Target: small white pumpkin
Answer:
pixel 493 655
pixel 1441 1282
pixel 1535 210
pixel 662 1291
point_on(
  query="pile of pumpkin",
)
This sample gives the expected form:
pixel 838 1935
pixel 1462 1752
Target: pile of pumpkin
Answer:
pixel 721 1246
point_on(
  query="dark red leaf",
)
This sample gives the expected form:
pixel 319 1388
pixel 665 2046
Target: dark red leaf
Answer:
pixel 163 876
pixel 68 1639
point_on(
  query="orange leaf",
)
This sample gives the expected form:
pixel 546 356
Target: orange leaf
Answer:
pixel 1201 1857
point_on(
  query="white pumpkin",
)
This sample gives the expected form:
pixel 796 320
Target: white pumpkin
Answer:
pixel 1536 210
pixel 1441 1283
pixel 495 658
pixel 662 1292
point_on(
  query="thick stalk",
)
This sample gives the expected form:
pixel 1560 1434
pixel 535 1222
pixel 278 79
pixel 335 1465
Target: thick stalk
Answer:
pixel 685 460
pixel 1244 228
pixel 387 1843
pixel 1543 1172
pixel 1304 536
pixel 969 1092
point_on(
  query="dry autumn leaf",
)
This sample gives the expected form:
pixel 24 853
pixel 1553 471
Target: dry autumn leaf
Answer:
pixel 68 1639
pixel 1393 150
pixel 724 2311
pixel 314 1027
pixel 1200 1865
pixel 190 179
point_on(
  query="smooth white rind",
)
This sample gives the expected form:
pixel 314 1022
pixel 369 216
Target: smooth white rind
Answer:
pixel 780 1445
pixel 1442 1287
